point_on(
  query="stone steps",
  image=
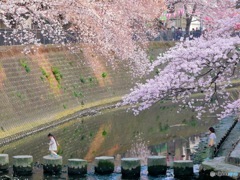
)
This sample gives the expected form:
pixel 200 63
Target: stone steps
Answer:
pixel 234 156
pixel 229 138
pixel 230 141
pixel 218 168
pixel 223 129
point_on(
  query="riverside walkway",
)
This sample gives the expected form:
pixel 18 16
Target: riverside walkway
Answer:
pixel 227 162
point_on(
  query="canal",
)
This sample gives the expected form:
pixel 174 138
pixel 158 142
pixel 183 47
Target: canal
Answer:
pixel 159 130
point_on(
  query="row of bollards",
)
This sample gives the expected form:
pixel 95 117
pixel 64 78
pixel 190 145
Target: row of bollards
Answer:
pixel 4 162
pixel 130 167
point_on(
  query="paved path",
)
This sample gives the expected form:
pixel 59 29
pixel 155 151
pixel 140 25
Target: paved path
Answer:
pixel 232 138
pixel 221 129
pixel 218 167
pixel 228 164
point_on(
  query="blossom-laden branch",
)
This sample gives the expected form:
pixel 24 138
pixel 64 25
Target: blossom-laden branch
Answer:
pixel 210 10
pixel 206 65
pixel 107 25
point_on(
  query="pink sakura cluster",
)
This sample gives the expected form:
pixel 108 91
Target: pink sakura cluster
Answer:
pixel 197 73
pixel 237 27
pixel 108 26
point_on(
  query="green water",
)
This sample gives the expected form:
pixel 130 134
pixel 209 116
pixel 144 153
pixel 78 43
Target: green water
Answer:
pixel 112 132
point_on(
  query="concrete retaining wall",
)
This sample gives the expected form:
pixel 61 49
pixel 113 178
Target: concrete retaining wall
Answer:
pixel 42 87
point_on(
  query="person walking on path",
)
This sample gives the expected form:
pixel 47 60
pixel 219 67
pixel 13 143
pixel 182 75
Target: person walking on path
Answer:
pixel 52 144
pixel 211 143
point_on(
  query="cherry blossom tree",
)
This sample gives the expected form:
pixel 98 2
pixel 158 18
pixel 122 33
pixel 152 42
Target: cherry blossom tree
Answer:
pixel 198 8
pixel 108 26
pixel 185 7
pixel 205 66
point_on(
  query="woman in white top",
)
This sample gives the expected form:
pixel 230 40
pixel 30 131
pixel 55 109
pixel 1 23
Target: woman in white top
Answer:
pixel 52 144
pixel 212 142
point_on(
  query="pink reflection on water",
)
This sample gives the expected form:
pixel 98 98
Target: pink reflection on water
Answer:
pixel 176 149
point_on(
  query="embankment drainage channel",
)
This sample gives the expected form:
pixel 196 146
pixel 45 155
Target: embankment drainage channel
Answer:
pixel 225 136
pixel 87 112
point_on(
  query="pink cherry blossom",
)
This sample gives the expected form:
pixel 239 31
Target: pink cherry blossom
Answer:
pixel 107 26
pixel 206 66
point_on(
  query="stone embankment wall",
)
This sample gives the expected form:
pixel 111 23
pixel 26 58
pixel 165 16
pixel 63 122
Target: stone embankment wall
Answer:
pixel 41 87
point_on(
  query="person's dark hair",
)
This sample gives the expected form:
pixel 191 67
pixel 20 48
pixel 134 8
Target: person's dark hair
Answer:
pixel 212 129
pixel 51 135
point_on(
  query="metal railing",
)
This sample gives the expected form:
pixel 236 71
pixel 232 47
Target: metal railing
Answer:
pixel 7 37
pixel 177 35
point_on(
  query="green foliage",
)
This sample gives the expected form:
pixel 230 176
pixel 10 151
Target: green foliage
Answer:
pixel 25 65
pixel 82 137
pixel 184 121
pixel 88 79
pixel 163 128
pixel 19 95
pixel 191 122
pixel 71 63
pixel 59 150
pixel 77 94
pixel 59 86
pixel 162 107
pixel 44 73
pixel 64 106
pixel 104 133
pixel 104 74
pixel 2 129
pixel 94 152
pixel 64 89
pixel 91 134
pixel 83 80
pixel 76 130
pixel 57 74
pixel 151 58
pixel 91 79
pixel 42 78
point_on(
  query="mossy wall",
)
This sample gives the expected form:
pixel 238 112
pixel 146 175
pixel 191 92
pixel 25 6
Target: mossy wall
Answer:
pixel 51 83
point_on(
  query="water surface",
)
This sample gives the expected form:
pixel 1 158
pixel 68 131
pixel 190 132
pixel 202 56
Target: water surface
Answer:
pixel 115 132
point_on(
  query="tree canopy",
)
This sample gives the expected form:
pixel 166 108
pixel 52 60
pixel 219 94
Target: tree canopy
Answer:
pixel 107 25
pixel 206 65
pixel 118 29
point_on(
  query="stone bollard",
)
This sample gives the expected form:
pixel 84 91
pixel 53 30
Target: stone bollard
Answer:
pixel 22 165
pixel 4 162
pixel 104 165
pixel 77 167
pixel 183 168
pixel 131 168
pixel 157 165
pixel 52 164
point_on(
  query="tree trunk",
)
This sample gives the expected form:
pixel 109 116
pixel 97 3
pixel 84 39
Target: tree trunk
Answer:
pixel 188 24
pixel 238 4
pixel 189 17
